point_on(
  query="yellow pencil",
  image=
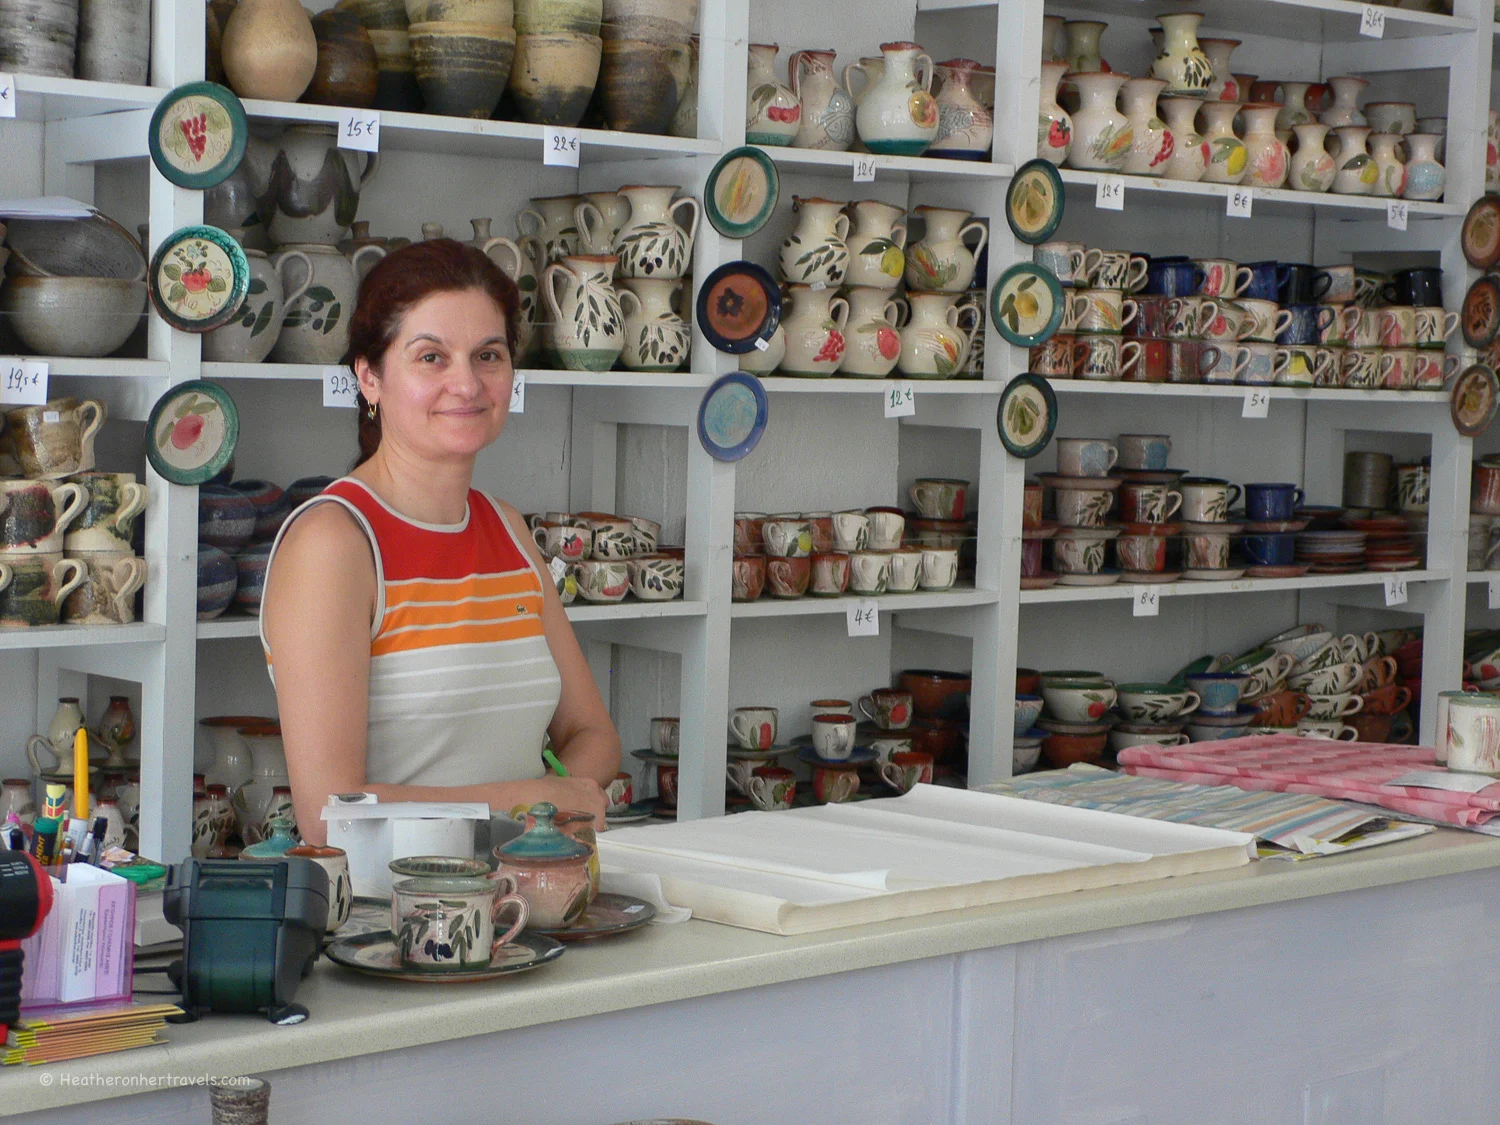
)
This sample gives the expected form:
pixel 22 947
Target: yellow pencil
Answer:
pixel 81 774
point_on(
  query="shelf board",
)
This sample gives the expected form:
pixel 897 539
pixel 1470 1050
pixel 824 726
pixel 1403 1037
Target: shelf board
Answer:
pixel 1083 184
pixel 959 596
pixel 56 99
pixel 1238 391
pixel 1184 588
pixel 468 136
pixel 919 168
pixel 104 368
pixel 632 610
pixel 228 626
pixel 71 636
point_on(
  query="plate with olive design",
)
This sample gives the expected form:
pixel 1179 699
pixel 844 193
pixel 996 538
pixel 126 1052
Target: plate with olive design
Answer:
pixel 739 305
pixel 1027 416
pixel 608 915
pixel 1026 304
pixel 741 192
pixel 1034 201
pixel 1474 400
pixel 199 279
pixel 377 955
pixel 197 135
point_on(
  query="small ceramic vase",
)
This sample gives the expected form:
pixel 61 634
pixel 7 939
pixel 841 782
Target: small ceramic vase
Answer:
pixel 1357 172
pixel 268 771
pixel 1312 169
pixel 933 345
pixel 1052 27
pixel 656 339
pixel 117 731
pixel 587 327
pixel 346 73
pixel 281 839
pixel 316 324
pixel 251 335
pixel 877 245
pixel 897 116
pixel 1390 175
pixel 652 243
pixel 814 332
pixel 1082 51
pixel 1227 157
pixel 772 113
pixel 966 128
pixel 1293 111
pixel 1054 128
pixel 872 344
pixel 1182 65
pixel 827 120
pixel 1224 87
pixel 816 251
pixel 1102 137
pixel 1438 127
pixel 1424 175
pixel 1344 109
pixel 1391 117
pixel 1190 152
pixel 1152 142
pixel 942 261
pixel 1266 158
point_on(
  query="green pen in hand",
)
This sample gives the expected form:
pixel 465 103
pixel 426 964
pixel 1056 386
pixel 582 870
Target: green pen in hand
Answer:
pixel 557 767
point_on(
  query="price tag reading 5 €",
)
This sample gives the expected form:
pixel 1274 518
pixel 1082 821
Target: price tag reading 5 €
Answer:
pixel 340 387
pixel 864 618
pixel 1257 403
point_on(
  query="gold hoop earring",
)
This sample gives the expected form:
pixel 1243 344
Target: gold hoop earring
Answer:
pixel 373 408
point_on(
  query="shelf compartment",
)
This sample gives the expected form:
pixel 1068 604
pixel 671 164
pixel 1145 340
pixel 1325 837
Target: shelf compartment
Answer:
pixel 956 598
pixel 72 636
pixel 1238 391
pixel 1083 184
pixel 39 98
pixel 1123 591
pixel 918 168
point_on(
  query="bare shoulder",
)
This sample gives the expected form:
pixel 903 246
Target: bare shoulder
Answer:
pixel 326 531
pixel 323 559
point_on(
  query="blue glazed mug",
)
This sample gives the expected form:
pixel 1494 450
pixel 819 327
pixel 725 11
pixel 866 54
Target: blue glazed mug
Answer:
pixel 1263 284
pixel 1301 284
pixel 1271 501
pixel 1219 691
pixel 1302 324
pixel 1270 550
pixel 1173 277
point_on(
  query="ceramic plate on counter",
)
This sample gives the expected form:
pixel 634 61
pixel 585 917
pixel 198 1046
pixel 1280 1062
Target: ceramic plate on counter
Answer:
pixel 376 955
pixel 192 432
pixel 639 811
pixel 1027 416
pixel 1480 237
pixel 1034 202
pixel 861 756
pixel 1026 304
pixel 741 192
pixel 607 915
pixel 738 305
pixel 1481 313
pixel 198 279
pixel 732 416
pixel 1474 399
pixel 197 135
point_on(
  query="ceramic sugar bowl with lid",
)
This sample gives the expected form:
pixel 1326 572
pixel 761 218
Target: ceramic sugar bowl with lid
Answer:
pixel 550 869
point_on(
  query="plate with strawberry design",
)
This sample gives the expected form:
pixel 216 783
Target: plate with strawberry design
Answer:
pixel 192 432
pixel 199 279
pixel 197 135
pixel 741 192
pixel 1026 304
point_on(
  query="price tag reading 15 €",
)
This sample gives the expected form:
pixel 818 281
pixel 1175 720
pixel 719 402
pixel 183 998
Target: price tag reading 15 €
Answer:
pixel 359 129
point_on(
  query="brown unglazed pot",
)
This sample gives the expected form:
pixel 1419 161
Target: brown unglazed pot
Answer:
pixel 553 76
pixel 462 67
pixel 396 80
pixel 347 72
pixel 270 50
pixel 638 89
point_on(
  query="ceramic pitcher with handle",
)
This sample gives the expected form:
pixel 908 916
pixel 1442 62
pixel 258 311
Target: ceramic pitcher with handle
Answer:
pixel 314 186
pixel 933 345
pixel 587 329
pixel 652 243
pixel 942 261
pixel 897 115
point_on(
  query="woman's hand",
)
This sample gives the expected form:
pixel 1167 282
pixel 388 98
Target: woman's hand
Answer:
pixel 577 794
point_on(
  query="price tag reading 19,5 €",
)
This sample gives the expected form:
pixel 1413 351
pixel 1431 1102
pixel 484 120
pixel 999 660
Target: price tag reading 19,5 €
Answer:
pixel 864 618
pixel 359 129
pixel 340 387
pixel 900 400
pixel 1395 589
pixel 518 394
pixel 560 147
pixel 1110 194
pixel 1146 601
pixel 23 382
pixel 7 95
pixel 1241 199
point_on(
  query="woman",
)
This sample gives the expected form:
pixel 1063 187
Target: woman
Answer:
pixel 414 635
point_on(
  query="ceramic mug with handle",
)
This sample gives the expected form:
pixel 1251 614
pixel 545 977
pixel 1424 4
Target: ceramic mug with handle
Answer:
pixel 754 728
pixel 450 924
pixel 906 769
pixel 771 788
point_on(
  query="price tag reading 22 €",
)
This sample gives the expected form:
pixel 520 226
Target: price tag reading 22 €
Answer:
pixel 340 387
pixel 560 147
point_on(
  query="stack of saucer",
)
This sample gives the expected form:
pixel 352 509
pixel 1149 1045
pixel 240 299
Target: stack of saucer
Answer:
pixel 1332 552
pixel 1389 542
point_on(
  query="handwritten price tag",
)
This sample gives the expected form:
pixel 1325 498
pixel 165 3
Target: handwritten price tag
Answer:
pixel 1110 193
pixel 1372 21
pixel 340 387
pixel 864 618
pixel 1145 602
pixel 7 95
pixel 560 147
pixel 1241 200
pixel 1257 403
pixel 558 568
pixel 1495 592
pixel 900 401
pixel 864 169
pixel 518 394
pixel 1395 589
pixel 359 129
pixel 1395 214
pixel 23 382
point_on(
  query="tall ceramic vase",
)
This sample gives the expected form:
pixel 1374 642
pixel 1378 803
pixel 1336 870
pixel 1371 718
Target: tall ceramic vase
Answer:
pixel 1425 176
pixel 645 66
pixel 1357 172
pixel 1266 158
pixel 1190 152
pixel 269 50
pixel 1344 109
pixel 1312 168
pixel 827 118
pixel 1390 170
pixel 1082 52
pixel 1054 128
pixel 1225 87
pixel 898 116
pixel 1182 65
pixel 772 112
pixel 1152 144
pixel 1102 137
pixel 1227 158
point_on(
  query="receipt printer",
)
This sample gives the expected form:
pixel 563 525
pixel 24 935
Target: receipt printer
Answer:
pixel 251 931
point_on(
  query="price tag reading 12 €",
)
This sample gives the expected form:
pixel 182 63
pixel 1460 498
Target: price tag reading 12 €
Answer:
pixel 900 400
pixel 1110 194
pixel 359 129
pixel 23 382
pixel 560 147
pixel 1146 602
pixel 518 394
pixel 1395 589
pixel 340 387
pixel 864 618
pixel 7 95
pixel 864 169
pixel 1241 199
pixel 1257 403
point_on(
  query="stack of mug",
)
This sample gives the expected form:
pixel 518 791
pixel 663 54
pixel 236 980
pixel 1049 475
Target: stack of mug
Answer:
pixel 1484 508
pixel 65 529
pixel 1089 343
pixel 603 557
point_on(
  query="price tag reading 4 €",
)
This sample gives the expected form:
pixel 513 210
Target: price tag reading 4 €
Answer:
pixel 900 400
pixel 7 95
pixel 1146 601
pixel 340 387
pixel 518 394
pixel 23 382
pixel 1395 589
pixel 560 147
pixel 359 129
pixel 864 618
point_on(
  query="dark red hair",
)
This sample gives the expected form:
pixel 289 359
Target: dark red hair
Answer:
pixel 404 278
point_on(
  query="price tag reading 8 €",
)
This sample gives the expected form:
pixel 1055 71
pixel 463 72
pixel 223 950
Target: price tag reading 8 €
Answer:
pixel 1241 200
pixel 863 617
pixel 1145 602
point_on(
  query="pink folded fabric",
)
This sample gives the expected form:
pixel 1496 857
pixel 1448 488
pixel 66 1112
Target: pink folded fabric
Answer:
pixel 1284 763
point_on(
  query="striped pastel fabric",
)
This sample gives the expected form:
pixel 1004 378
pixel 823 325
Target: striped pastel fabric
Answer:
pixel 462 682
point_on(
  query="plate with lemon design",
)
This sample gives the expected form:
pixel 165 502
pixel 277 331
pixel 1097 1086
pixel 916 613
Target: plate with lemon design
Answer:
pixel 741 192
pixel 1028 415
pixel 1026 304
pixel 1034 202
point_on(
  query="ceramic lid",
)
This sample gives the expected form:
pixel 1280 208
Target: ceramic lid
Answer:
pixel 543 841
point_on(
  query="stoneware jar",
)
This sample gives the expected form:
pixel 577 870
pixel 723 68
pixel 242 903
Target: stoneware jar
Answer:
pixel 827 120
pixel 1152 142
pixel 1190 152
pixel 315 186
pixel 1357 172
pixel 773 114
pixel 897 114
pixel 1102 137
pixel 933 345
pixel 814 332
pixel 652 243
pixel 877 245
pixel 1266 158
pixel 1182 65
pixel 656 339
pixel 1424 175
pixel 872 344
pixel 347 73
pixel 942 260
pixel 1312 169
pixel 1227 156
pixel 965 127
pixel 269 50
pixel 1390 171
pixel 114 42
pixel 587 329
pixel 315 328
pixel 251 335
pixel 816 251
pixel 1054 128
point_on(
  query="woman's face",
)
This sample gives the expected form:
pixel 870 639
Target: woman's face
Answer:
pixel 444 385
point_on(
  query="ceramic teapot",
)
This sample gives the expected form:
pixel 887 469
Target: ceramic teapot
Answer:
pixel 942 261
pixel 314 186
pixel 587 327
pixel 816 251
pixel 316 325
pixel 933 345
pixel 652 243
pixel 897 115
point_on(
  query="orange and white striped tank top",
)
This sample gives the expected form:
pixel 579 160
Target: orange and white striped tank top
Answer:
pixel 462 682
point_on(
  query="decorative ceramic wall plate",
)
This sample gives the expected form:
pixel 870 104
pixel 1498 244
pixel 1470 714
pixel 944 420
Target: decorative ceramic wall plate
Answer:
pixel 607 915
pixel 1474 400
pixel 1026 304
pixel 1481 232
pixel 1027 416
pixel 197 135
pixel 732 416
pixel 1034 201
pixel 741 192
pixel 1481 313
pixel 198 279
pixel 192 432
pixel 738 304
pixel 377 956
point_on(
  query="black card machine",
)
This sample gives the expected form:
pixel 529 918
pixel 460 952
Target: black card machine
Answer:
pixel 251 931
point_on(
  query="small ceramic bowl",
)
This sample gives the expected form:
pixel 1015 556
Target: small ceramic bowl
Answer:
pixel 73 316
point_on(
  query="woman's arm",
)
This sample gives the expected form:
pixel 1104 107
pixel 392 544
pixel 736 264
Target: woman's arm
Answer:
pixel 318 607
